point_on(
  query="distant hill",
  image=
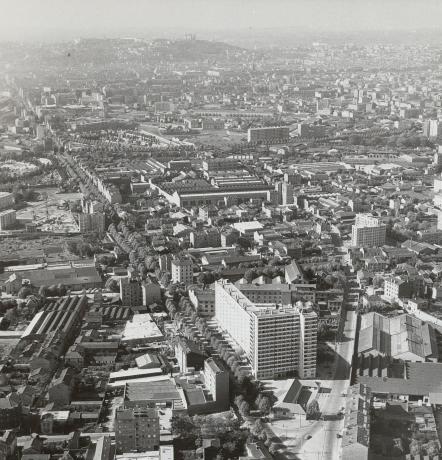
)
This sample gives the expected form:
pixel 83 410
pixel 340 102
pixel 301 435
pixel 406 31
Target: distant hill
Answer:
pixel 194 49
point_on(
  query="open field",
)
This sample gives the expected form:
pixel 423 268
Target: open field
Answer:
pixel 219 139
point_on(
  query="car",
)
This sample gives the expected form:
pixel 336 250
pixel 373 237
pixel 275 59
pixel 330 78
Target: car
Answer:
pixel 338 435
pixel 308 436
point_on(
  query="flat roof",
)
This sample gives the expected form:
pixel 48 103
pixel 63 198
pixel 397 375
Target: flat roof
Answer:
pixel 164 389
pixel 147 359
pixel 7 211
pixel 133 373
pixel 140 327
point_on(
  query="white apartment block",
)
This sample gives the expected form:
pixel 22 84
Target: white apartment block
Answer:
pixel 277 340
pixel 204 301
pixel 368 231
pixel 439 220
pixel 182 271
pixel 7 219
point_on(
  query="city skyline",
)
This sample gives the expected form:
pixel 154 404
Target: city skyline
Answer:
pixel 59 20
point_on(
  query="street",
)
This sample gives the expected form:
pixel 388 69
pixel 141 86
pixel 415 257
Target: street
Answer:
pixel 324 442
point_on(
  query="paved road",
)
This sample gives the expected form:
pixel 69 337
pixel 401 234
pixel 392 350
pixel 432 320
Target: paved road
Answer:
pixel 324 443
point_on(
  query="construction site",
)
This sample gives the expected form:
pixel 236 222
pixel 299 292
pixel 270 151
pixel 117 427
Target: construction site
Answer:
pixel 51 213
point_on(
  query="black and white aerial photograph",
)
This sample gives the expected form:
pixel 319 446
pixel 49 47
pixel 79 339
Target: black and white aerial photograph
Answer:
pixel 221 230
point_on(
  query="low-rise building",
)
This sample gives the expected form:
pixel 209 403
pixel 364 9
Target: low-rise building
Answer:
pixel 356 436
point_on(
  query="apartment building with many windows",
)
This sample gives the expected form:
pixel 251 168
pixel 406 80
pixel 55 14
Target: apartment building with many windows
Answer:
pixel 137 429
pixel 278 340
pixel 368 231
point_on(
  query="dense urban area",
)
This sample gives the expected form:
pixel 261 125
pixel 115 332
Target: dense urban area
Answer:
pixel 216 252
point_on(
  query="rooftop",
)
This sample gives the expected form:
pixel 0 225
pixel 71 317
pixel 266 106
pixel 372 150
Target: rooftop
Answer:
pixel 140 327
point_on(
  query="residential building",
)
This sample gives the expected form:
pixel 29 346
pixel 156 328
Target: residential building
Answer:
pixel 400 287
pixel 131 293
pixel 182 271
pixel 94 222
pixel 368 231
pixel 204 301
pixel 356 436
pixel 103 448
pixel 6 200
pixel 151 293
pixel 432 128
pixel 277 340
pixel 8 444
pixel 287 193
pixel 7 219
pixel 216 379
pixel 205 238
pixel 10 413
pixel 273 134
pixel 137 429
pixel 188 354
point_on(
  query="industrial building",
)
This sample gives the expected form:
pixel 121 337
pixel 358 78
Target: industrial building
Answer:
pixel 61 316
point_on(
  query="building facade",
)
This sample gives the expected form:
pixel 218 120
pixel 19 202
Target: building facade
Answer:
pixel 7 219
pixel 182 271
pixel 278 341
pixel 6 200
pixel 368 231
pixel 137 429
pixel 131 293
pixel 94 222
pixel 273 134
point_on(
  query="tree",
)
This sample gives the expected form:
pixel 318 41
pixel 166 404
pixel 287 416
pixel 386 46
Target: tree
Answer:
pixel 313 412
pixel 225 354
pixel 11 315
pixel 238 400
pixel 106 259
pixel 273 448
pixel 206 278
pixel 112 285
pixel 182 425
pixel 432 448
pixel 250 274
pixel 24 292
pixel 257 428
pixel 244 409
pixel 324 331
pixel 198 442
pixel 234 366
pixel 244 243
pixel 265 405
pixel 415 447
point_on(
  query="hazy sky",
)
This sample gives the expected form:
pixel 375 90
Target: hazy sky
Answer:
pixel 68 18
